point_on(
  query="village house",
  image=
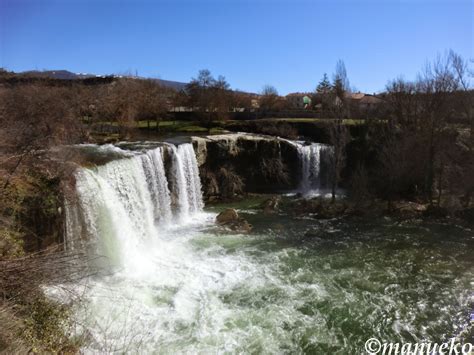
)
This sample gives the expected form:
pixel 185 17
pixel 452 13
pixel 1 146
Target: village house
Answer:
pixel 299 100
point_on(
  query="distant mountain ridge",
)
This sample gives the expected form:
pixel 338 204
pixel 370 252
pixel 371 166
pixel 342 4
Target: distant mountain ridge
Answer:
pixel 67 75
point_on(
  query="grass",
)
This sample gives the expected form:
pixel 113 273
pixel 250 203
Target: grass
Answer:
pixel 310 120
pixel 182 126
pixel 217 127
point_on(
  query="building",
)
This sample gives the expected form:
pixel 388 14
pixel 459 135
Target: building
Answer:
pixel 299 100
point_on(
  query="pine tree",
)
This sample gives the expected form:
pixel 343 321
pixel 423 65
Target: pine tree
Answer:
pixel 324 85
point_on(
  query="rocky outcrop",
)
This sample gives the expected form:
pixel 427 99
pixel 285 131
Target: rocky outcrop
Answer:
pixel 271 205
pixel 230 219
pixel 234 164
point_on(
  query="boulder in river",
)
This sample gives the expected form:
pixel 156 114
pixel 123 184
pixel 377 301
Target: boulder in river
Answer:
pixel 230 219
pixel 270 205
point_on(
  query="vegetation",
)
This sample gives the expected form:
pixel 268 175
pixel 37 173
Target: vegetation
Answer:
pixel 415 144
pixel 423 151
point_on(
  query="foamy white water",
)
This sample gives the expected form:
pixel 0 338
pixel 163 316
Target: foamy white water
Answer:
pixel 310 164
pixel 175 286
pixel 159 285
pixel 157 184
pixel 127 202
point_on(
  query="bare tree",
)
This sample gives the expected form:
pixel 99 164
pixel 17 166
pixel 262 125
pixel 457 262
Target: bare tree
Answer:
pixel 462 76
pixel 339 137
pixel 269 98
pixel 340 80
pixel 152 102
pixel 210 97
pixel 434 86
pixel 34 118
pixel 338 133
pixel 403 103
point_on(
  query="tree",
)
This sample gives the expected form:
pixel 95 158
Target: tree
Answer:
pixel 338 138
pixel 324 93
pixel 269 99
pixel 465 94
pixel 324 86
pixel 32 119
pixel 421 113
pixel 151 102
pixel 338 132
pixel 199 92
pixel 336 100
pixel 402 102
pixel 340 80
pixel 435 85
pixel 210 97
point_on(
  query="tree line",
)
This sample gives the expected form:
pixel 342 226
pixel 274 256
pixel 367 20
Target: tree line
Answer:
pixel 418 145
pixel 421 145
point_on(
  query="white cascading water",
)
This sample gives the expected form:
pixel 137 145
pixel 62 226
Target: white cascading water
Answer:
pixel 180 286
pixel 187 181
pixel 157 288
pixel 157 184
pixel 310 163
pixel 127 201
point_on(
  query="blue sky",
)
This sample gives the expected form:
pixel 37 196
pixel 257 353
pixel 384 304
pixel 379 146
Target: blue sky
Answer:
pixel 288 44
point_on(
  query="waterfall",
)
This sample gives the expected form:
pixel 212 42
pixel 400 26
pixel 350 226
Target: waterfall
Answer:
pixel 126 202
pixel 311 157
pixel 187 181
pixel 157 184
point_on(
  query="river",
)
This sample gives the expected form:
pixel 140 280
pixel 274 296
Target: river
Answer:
pixel 172 282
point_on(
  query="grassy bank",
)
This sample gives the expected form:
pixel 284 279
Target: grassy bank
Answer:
pixel 313 128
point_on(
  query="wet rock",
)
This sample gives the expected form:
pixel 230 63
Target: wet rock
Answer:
pixel 245 163
pixel 227 216
pixel 435 212
pixel 320 208
pixel 230 219
pixel 200 149
pixel 271 205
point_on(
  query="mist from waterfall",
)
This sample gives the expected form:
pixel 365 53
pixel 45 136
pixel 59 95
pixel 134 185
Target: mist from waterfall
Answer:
pixel 128 202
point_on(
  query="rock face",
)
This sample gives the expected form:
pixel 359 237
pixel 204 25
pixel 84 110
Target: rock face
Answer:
pixel 229 218
pixel 233 164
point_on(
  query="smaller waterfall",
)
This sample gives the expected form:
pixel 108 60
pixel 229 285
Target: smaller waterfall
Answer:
pixel 187 181
pixel 310 166
pixel 311 158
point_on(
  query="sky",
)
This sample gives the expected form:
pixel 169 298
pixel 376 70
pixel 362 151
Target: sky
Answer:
pixel 289 44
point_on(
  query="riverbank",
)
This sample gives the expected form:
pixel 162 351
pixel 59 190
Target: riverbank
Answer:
pixel 311 128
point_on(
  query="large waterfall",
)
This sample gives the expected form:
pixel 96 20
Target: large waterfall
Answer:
pixel 128 201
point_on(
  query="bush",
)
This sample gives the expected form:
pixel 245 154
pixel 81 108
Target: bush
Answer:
pixel 231 184
pixel 47 327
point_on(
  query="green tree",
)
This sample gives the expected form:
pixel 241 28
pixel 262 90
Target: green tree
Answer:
pixel 324 86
